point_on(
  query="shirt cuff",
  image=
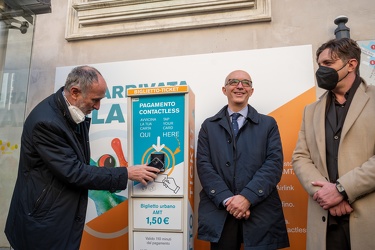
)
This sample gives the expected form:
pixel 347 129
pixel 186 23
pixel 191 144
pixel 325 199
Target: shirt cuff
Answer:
pixel 225 201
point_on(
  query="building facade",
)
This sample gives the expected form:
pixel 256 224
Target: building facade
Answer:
pixel 52 34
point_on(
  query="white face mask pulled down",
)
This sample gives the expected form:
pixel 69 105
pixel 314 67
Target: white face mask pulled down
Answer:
pixel 77 114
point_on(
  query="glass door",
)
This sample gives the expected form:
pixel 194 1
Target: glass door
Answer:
pixel 16 36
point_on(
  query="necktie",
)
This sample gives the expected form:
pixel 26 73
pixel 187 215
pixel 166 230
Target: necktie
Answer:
pixel 235 123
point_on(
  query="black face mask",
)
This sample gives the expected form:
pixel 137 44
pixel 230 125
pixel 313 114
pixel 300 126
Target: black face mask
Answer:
pixel 327 77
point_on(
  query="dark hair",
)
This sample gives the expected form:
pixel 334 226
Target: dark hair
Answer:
pixel 83 77
pixel 343 48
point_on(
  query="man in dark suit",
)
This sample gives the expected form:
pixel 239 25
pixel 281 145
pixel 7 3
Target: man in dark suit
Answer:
pixel 239 163
pixel 49 202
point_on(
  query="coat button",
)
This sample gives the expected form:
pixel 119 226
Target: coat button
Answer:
pixel 227 164
pixel 213 191
pixel 324 219
pixel 336 137
pixel 260 191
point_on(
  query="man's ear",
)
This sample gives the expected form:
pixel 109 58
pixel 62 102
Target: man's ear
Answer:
pixel 224 89
pixel 75 91
pixel 353 64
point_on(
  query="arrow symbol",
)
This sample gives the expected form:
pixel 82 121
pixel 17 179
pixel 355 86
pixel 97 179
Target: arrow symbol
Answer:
pixel 158 147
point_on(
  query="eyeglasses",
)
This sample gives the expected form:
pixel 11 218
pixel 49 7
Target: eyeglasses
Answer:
pixel 235 82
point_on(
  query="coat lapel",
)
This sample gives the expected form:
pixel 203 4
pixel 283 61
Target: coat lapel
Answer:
pixel 319 128
pixel 225 124
pixel 359 101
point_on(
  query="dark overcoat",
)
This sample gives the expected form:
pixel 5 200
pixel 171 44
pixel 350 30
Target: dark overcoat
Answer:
pixel 49 202
pixel 250 165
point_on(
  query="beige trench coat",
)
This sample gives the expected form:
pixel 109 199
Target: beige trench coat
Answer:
pixel 356 167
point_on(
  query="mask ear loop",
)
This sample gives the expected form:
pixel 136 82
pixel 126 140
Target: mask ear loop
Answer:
pixel 79 115
pixel 66 100
pixel 355 68
pixel 341 69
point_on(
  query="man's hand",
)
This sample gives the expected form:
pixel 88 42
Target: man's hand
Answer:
pixel 142 173
pixel 327 196
pixel 247 214
pixel 341 209
pixel 238 206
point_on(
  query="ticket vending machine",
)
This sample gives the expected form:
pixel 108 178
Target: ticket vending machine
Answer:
pixel 162 134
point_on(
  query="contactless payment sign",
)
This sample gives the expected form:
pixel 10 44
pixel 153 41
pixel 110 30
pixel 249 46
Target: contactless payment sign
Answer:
pixel 158 139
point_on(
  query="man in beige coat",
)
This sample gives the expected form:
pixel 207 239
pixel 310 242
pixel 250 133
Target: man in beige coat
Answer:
pixel 334 158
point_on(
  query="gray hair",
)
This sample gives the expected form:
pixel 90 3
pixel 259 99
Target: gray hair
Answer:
pixel 83 77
